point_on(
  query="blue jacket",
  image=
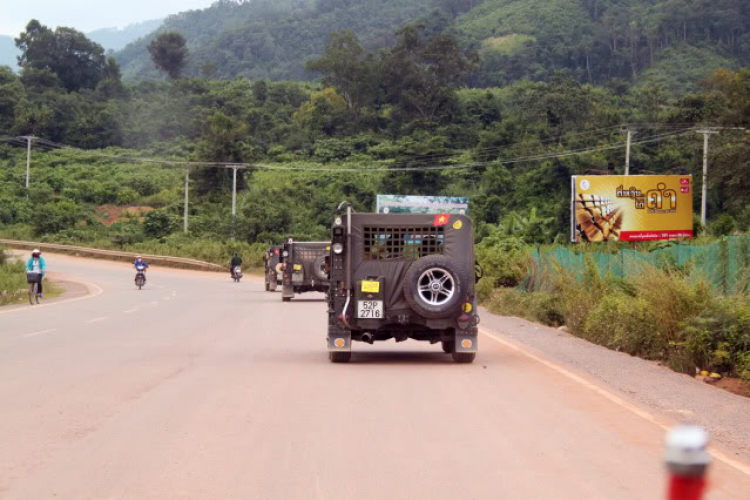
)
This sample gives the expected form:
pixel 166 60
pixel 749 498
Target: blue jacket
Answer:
pixel 42 264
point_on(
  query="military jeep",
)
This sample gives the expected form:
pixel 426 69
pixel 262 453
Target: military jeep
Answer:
pixel 274 272
pixel 304 268
pixel 402 276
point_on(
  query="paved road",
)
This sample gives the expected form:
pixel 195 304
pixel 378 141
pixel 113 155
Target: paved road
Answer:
pixel 197 387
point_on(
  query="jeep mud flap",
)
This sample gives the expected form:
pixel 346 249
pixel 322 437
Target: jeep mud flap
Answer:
pixel 466 341
pixel 287 291
pixel 339 340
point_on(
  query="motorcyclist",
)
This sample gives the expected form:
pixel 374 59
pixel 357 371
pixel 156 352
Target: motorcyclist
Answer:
pixel 36 264
pixel 140 264
pixel 235 262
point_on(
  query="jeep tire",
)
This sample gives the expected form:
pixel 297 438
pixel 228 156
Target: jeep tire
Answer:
pixel 464 357
pixel 340 356
pixel 448 299
pixel 448 346
pixel 319 268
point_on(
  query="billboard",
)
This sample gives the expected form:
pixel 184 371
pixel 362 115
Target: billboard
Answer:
pixel 631 208
pixel 399 204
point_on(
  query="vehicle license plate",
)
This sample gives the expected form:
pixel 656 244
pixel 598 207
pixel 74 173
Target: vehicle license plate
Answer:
pixel 370 309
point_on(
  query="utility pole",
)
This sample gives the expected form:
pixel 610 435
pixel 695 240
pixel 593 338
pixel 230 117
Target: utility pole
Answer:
pixel 185 215
pixel 29 139
pixel 234 191
pixel 627 151
pixel 704 195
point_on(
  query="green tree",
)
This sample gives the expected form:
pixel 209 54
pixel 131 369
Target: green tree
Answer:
pixel 77 61
pixel 169 52
pixel 347 68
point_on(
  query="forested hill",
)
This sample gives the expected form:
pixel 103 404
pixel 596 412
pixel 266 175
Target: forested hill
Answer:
pixel 612 42
pixel 272 38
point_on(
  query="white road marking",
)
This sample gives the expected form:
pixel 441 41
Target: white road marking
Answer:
pixel 29 335
pixel 131 310
pixel 96 320
pixel 155 303
pixel 167 298
pixel 718 455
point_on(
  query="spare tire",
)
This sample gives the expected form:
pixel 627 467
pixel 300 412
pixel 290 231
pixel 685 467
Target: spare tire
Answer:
pixel 436 286
pixel 319 268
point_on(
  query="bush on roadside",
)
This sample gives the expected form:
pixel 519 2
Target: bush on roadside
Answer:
pixel 718 338
pixel 51 218
pixel 12 278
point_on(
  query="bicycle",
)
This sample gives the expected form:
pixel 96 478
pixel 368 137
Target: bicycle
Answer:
pixel 33 279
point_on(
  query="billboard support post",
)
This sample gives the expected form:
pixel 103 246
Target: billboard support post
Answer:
pixel 704 193
pixel 627 152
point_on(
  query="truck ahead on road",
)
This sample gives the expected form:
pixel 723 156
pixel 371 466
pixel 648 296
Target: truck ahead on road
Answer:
pixel 402 276
pixel 274 272
pixel 304 268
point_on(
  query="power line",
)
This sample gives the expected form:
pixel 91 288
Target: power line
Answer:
pixel 478 154
pixel 391 167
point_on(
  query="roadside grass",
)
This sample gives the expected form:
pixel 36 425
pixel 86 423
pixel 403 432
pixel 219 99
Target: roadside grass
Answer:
pixel 660 314
pixel 213 250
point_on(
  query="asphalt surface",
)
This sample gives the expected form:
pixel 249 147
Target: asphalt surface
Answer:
pixel 197 387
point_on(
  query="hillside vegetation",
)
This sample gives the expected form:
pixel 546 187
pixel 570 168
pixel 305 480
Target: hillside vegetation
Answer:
pixel 675 42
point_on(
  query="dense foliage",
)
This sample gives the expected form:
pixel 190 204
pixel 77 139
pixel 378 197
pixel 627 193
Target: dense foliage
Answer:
pixel 606 42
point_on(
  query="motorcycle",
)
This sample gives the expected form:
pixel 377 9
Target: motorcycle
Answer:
pixel 140 277
pixel 237 275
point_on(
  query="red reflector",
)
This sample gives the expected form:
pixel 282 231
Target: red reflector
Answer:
pixel 464 318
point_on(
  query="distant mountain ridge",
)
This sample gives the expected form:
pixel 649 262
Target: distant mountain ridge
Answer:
pixel 119 38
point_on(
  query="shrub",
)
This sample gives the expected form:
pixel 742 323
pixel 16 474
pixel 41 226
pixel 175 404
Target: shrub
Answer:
pixel 159 223
pixel 724 225
pixel 127 196
pixel 51 218
pixel 718 339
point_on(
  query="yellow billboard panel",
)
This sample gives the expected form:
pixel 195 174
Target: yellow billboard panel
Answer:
pixel 631 208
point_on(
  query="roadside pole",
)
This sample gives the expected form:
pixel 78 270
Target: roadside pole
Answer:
pixel 185 213
pixel 627 151
pixel 29 139
pixel 704 195
pixel 234 192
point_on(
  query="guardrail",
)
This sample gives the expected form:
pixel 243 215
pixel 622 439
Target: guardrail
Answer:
pixel 164 260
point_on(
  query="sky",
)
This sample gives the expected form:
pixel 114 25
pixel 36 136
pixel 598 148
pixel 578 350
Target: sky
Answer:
pixel 88 15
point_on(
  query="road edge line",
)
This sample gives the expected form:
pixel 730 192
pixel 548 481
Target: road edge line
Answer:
pixel 97 291
pixel 718 455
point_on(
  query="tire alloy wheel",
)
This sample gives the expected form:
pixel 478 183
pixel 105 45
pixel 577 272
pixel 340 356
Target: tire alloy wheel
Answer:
pixel 436 286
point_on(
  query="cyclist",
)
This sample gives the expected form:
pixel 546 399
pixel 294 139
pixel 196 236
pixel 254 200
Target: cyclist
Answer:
pixel 36 264
pixel 140 264
pixel 236 261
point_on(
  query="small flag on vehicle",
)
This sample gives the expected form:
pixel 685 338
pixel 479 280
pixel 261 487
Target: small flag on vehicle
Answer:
pixel 442 220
